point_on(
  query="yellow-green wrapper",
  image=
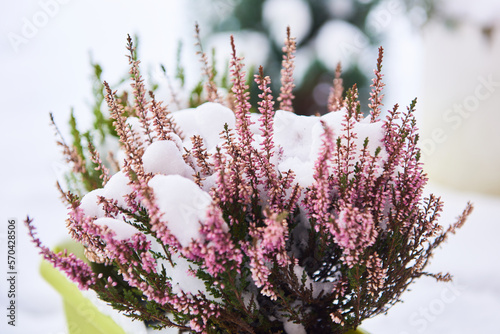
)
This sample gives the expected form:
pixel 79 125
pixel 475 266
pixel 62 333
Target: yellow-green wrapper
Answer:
pixel 81 314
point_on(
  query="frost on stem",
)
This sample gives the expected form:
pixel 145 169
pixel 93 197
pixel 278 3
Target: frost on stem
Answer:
pixel 224 220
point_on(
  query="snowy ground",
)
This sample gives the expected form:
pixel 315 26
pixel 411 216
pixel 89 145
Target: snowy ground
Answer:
pixel 49 71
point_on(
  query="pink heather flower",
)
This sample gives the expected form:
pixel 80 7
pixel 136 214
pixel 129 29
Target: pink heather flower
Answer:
pixel 261 271
pixel 335 100
pixel 215 241
pixel 266 108
pixel 354 229
pixel 76 269
pixel 376 95
pixel 318 200
pixel 287 85
pixel 377 274
pixel 231 243
pixel 272 238
pixel 242 104
pixel 346 144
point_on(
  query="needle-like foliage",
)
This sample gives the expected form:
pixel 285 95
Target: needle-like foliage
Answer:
pixel 266 248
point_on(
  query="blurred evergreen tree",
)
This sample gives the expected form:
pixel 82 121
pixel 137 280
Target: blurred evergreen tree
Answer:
pixel 311 90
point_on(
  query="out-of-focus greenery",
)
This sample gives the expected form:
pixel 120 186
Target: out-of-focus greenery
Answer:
pixel 239 15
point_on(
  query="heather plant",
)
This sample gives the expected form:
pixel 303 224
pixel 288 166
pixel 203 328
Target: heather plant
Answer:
pixel 218 219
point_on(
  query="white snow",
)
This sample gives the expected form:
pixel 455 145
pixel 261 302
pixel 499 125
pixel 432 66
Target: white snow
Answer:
pixel 304 170
pixel 317 287
pixel 182 279
pixel 293 133
pixel 180 275
pixel 123 231
pixel 116 189
pixel 177 140
pixel 183 204
pixel 210 120
pixel 165 158
pixel 207 120
pixel 299 137
pixel 291 328
pixel 89 203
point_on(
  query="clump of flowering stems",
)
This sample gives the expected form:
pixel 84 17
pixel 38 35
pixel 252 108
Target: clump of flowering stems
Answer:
pixel 270 252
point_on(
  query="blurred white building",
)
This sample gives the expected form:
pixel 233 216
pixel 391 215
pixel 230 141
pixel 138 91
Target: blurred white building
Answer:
pixel 460 96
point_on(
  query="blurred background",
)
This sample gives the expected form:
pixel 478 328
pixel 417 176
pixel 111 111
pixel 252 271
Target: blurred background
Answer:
pixel 446 53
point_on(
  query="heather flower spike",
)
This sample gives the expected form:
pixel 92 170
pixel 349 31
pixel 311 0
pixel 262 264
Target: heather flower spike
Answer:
pixel 376 95
pixel 335 101
pixel 221 220
pixel 286 91
pixel 208 71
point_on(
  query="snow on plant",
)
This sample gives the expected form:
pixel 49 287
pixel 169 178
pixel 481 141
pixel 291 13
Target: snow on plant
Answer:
pixel 227 219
